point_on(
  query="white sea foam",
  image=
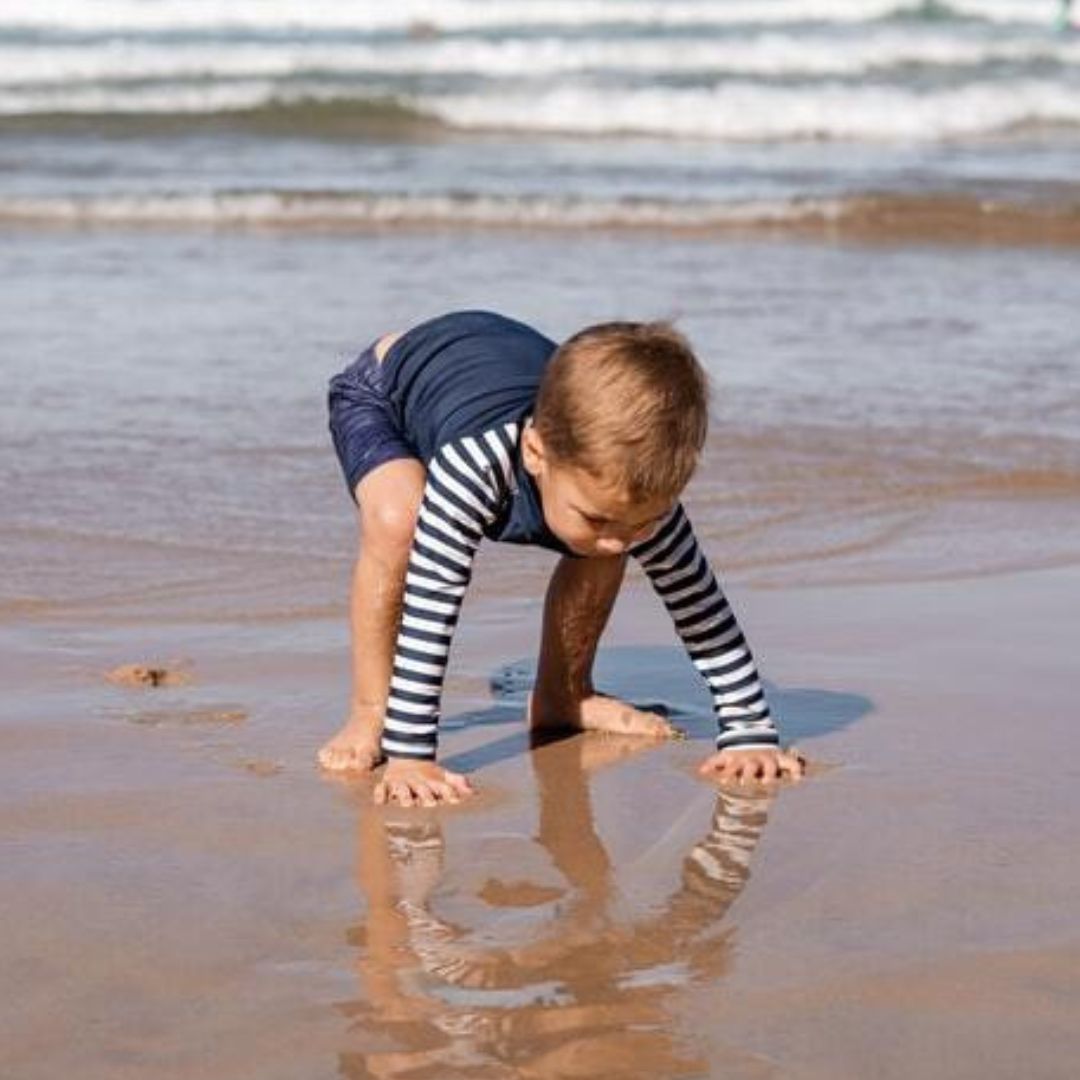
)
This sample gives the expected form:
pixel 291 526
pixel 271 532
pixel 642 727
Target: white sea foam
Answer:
pixel 289 15
pixel 310 210
pixel 767 54
pixel 169 99
pixel 737 110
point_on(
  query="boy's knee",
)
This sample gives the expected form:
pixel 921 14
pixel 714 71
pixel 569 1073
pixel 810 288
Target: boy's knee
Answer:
pixel 389 525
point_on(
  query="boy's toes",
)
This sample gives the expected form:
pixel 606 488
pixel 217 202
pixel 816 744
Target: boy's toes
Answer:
pixel 327 756
pixel 348 757
pixel 601 713
pixel 332 759
pixel 647 724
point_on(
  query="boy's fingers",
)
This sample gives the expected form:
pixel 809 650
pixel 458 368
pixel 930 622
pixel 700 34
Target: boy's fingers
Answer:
pixel 402 794
pixel 445 792
pixel 380 792
pixel 425 793
pixel 747 767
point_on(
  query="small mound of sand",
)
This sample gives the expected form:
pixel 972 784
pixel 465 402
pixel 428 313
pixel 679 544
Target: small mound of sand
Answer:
pixel 260 767
pixel 140 675
pixel 211 715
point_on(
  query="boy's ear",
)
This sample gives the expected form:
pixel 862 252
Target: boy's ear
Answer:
pixel 532 450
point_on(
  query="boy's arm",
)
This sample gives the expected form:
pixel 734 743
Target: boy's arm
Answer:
pixel 680 573
pixel 465 486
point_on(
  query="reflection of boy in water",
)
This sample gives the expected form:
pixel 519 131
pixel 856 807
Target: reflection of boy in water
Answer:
pixel 587 997
pixel 474 426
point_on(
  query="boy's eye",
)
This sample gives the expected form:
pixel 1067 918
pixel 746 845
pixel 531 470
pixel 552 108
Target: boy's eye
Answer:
pixel 592 519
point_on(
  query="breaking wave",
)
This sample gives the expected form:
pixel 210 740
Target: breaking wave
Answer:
pixel 733 110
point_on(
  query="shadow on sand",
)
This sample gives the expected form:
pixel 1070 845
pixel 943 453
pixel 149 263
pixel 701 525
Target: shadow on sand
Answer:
pixel 657 678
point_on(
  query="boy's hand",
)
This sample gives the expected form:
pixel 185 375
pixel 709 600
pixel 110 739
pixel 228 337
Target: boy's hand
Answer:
pixel 766 765
pixel 420 783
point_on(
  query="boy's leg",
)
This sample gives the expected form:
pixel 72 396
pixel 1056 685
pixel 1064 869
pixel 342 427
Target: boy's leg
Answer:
pixel 579 600
pixel 388 500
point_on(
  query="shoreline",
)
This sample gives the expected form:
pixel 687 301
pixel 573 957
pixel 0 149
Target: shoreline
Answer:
pixel 945 219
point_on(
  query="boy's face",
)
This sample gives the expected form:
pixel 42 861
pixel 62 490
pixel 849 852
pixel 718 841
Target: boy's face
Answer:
pixel 590 517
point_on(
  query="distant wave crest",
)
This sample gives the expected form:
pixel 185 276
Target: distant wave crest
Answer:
pixel 734 110
pixel 456 15
pixel 76 68
pixel 252 107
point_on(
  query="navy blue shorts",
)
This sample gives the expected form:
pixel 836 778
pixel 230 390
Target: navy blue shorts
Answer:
pixel 362 422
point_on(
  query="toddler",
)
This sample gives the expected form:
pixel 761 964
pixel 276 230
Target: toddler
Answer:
pixel 473 425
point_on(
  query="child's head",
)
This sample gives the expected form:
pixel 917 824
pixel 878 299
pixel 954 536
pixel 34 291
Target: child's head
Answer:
pixel 620 420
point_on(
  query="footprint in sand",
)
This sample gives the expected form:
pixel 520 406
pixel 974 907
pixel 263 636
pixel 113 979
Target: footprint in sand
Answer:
pixel 210 716
pixel 261 767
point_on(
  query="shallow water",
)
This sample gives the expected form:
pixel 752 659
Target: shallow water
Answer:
pixel 879 414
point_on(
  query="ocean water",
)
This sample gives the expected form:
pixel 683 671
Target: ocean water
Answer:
pixel 547 113
pixel 206 208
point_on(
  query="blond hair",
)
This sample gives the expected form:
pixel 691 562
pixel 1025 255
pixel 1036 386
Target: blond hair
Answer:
pixel 627 402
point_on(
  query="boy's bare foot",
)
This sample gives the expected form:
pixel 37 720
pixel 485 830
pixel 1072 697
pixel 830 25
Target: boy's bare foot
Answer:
pixel 602 713
pixel 355 748
pixel 598 712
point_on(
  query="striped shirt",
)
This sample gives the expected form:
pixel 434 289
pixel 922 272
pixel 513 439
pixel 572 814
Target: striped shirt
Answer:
pixel 470 483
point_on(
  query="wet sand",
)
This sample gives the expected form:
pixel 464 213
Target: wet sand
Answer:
pixel 186 896
pixel 890 495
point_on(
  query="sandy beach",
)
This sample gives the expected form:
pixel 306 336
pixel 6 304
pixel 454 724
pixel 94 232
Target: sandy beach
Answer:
pixel 186 895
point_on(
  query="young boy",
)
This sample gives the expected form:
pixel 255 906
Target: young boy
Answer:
pixel 473 425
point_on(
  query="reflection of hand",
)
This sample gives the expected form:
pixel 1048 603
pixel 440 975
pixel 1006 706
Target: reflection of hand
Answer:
pixel 420 783
pixel 767 764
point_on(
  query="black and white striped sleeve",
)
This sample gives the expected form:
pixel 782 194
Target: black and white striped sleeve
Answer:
pixel 467 482
pixel 680 573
